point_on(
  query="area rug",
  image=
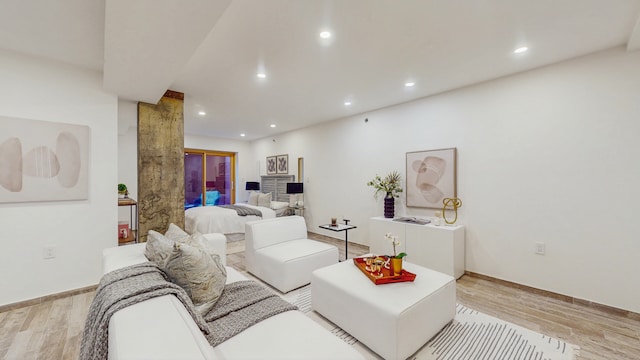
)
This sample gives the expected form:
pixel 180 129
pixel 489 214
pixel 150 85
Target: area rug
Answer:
pixel 471 335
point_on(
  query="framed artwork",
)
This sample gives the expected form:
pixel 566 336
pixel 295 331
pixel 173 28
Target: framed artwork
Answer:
pixel 282 166
pixel 271 165
pixel 431 177
pixel 43 161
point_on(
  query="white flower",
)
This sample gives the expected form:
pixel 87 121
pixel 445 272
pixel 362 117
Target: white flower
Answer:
pixel 394 241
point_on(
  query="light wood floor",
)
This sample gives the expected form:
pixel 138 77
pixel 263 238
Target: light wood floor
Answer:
pixel 52 330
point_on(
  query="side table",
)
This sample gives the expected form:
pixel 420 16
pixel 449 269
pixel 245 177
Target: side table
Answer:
pixel 133 236
pixel 296 210
pixel 338 228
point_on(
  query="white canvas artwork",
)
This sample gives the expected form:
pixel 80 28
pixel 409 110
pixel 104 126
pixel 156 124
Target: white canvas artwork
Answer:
pixel 431 177
pixel 43 161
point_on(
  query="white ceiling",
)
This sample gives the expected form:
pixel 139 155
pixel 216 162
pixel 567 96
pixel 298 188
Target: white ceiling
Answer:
pixel 212 50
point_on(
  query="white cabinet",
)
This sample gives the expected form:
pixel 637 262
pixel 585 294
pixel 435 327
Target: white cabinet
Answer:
pixel 440 248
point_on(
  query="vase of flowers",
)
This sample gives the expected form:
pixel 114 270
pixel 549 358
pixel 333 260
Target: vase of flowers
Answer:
pixel 391 186
pixel 396 259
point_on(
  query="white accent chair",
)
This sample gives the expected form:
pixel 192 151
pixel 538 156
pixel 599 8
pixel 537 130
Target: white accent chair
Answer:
pixel 279 252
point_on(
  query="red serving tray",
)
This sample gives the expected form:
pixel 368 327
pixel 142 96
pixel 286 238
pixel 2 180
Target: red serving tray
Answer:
pixel 387 274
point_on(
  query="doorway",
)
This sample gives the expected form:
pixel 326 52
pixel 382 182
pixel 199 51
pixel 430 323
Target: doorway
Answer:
pixel 209 178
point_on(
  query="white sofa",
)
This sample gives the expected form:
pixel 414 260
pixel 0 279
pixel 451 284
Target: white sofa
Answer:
pixel 161 328
pixel 278 252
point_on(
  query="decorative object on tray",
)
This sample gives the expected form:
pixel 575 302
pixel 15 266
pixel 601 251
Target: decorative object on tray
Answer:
pixel 431 177
pixel 451 204
pixel 334 221
pixel 391 186
pixel 122 191
pixel 396 260
pixel 378 270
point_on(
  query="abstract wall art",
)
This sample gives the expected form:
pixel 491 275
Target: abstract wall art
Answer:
pixel 282 162
pixel 43 161
pixel 272 167
pixel 431 177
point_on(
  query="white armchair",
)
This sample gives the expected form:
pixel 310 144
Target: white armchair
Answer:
pixel 279 252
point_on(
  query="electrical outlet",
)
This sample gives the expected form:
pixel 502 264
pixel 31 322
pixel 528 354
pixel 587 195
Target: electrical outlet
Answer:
pixel 540 248
pixel 49 252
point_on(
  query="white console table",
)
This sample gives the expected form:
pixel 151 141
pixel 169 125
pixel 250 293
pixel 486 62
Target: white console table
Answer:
pixel 440 248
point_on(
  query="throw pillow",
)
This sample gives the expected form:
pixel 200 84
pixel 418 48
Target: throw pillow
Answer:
pixel 253 198
pixel 201 275
pixel 175 233
pixel 264 200
pixel 198 240
pixel 158 248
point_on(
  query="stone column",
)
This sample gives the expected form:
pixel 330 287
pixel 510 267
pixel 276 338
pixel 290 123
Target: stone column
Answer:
pixel 161 164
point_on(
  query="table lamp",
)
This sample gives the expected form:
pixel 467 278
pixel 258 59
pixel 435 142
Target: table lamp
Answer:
pixel 296 188
pixel 252 185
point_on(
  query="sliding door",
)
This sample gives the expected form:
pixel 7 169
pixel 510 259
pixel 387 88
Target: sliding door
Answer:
pixel 209 178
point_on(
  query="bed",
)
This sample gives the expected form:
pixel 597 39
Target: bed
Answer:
pixel 273 201
pixel 218 219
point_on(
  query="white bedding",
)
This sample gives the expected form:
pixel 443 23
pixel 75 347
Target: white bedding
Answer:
pixel 214 219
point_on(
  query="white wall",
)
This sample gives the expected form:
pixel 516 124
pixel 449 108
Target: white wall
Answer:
pixel 79 230
pixel 128 155
pixel 545 156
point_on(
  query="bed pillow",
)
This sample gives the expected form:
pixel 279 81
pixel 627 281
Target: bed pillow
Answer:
pixel 176 234
pixel 264 200
pixel 253 198
pixel 277 205
pixel 158 248
pixel 200 274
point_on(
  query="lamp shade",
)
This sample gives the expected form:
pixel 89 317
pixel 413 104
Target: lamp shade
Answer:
pixel 294 188
pixel 252 185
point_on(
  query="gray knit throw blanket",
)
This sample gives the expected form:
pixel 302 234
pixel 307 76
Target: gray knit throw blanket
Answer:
pixel 242 210
pixel 241 305
pixel 119 289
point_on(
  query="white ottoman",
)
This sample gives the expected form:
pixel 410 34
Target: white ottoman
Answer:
pixel 394 320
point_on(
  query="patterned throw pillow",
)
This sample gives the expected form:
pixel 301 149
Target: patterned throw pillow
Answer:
pixel 175 233
pixel 201 275
pixel 158 248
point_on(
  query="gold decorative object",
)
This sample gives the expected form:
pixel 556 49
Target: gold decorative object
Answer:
pixel 396 266
pixel 451 204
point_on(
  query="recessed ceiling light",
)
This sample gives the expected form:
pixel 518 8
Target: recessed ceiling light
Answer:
pixel 409 84
pixel 520 50
pixel 347 103
pixel 243 135
pixel 272 125
pixel 202 113
pixel 325 34
pixel 261 75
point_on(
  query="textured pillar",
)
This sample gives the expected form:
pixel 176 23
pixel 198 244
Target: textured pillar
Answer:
pixel 161 164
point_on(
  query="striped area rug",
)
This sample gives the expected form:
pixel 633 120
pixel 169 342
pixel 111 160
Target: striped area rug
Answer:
pixel 471 335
